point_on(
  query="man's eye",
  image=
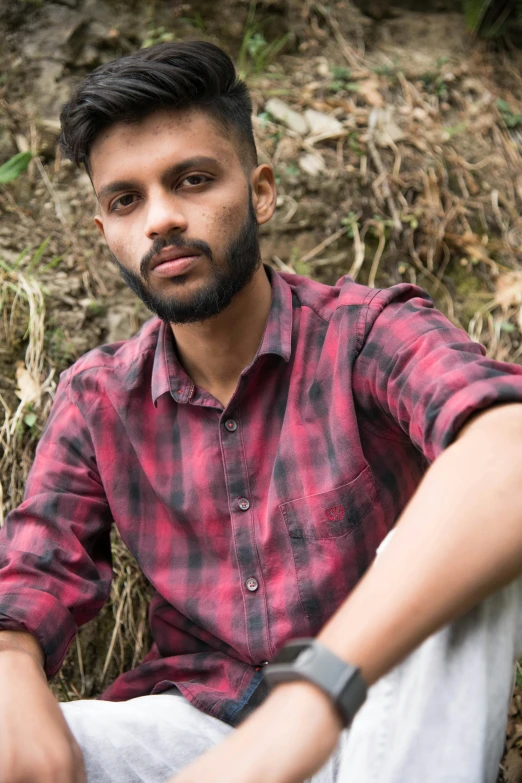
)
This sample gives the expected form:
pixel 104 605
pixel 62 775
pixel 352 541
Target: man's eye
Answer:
pixel 122 202
pixel 195 179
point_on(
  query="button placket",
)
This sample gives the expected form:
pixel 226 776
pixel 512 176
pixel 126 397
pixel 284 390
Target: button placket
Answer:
pixel 243 529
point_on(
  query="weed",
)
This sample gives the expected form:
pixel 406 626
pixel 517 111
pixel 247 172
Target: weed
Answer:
pixel 256 53
pixel 351 221
pixel 512 119
pixel 341 80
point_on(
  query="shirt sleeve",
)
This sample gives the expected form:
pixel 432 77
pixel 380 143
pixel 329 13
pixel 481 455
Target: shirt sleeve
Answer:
pixel 420 376
pixel 55 555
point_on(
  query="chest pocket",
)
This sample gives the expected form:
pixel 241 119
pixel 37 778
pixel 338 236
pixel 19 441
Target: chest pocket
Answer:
pixel 327 536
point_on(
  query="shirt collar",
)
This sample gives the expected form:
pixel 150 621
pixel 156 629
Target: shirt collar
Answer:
pixel 169 376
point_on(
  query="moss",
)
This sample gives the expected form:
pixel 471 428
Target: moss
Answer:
pixel 468 290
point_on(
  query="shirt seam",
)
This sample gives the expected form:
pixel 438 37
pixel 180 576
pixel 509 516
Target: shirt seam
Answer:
pixel 360 329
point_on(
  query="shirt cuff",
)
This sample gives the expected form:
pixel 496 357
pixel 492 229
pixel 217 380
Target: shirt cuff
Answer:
pixel 470 400
pixel 45 618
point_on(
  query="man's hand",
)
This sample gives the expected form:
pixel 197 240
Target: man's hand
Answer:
pixel 36 745
pixel 286 740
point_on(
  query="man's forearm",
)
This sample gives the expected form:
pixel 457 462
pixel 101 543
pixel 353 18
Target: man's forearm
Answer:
pixel 21 641
pixel 458 540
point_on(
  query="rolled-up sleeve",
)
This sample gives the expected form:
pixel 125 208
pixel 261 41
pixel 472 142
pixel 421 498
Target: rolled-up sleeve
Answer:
pixel 422 376
pixel 55 556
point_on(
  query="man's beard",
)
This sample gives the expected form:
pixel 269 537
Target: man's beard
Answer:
pixel 231 275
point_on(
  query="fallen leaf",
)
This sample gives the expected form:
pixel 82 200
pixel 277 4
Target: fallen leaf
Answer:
pixel 369 89
pixel 28 389
pixel 512 764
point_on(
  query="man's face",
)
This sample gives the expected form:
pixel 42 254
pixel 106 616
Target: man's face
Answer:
pixel 178 212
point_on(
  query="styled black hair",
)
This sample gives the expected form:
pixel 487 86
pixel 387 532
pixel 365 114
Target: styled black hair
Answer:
pixel 174 76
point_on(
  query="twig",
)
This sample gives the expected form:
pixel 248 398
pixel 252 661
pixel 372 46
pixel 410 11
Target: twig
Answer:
pixel 377 256
pixel 379 165
pixel 52 191
pixel 321 246
pixel 282 266
pixel 359 252
pixel 353 60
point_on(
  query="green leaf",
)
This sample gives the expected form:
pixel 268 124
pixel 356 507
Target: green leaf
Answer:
pixel 30 419
pixel 15 166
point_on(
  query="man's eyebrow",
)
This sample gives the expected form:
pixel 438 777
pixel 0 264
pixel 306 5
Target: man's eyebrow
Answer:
pixel 170 173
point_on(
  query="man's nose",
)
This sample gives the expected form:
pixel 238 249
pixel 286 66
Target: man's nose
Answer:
pixel 164 217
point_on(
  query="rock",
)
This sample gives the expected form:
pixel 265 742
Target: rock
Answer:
pixel 312 163
pixel 320 123
pixel 50 90
pixel 64 22
pixel 285 114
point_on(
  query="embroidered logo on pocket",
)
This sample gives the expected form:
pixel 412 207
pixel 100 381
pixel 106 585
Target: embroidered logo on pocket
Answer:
pixel 335 514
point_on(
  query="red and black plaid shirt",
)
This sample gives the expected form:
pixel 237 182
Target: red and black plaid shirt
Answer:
pixel 252 523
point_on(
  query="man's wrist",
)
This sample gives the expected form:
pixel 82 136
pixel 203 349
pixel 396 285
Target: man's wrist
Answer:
pixel 303 695
pixel 16 643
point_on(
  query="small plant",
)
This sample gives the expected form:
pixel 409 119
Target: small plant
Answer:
pixel 256 53
pixel 512 119
pixel 341 79
pixel 351 221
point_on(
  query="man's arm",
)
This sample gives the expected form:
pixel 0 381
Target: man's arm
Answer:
pixel 35 741
pixel 55 573
pixel 458 540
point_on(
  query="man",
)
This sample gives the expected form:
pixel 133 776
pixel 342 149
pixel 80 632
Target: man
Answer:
pixel 254 444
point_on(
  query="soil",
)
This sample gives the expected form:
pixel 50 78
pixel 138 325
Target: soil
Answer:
pixel 451 179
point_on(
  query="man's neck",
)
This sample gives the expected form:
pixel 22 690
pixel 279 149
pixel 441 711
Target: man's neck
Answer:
pixel 215 352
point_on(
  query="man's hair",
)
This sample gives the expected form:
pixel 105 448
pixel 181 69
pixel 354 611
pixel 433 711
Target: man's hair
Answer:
pixel 175 76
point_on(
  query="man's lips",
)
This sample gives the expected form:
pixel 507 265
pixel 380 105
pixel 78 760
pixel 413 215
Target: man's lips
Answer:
pixel 172 254
pixel 173 262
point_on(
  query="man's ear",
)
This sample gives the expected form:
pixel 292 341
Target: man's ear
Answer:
pixel 263 192
pixel 99 224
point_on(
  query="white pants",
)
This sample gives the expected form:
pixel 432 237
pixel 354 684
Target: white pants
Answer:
pixel 439 717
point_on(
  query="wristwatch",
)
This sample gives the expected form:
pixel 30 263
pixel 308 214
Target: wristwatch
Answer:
pixel 308 660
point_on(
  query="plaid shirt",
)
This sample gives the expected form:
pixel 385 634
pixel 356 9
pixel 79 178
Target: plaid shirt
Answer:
pixel 252 523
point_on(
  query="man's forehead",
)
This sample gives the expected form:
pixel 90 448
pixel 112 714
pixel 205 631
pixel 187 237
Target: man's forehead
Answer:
pixel 166 137
pixel 169 122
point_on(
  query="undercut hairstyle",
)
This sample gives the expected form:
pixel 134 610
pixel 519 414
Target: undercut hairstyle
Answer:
pixel 177 76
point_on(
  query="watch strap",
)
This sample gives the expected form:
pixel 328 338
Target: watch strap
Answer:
pixel 311 661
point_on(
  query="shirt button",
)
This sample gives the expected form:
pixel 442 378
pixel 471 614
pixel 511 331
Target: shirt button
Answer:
pixel 231 425
pixel 243 504
pixel 252 584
